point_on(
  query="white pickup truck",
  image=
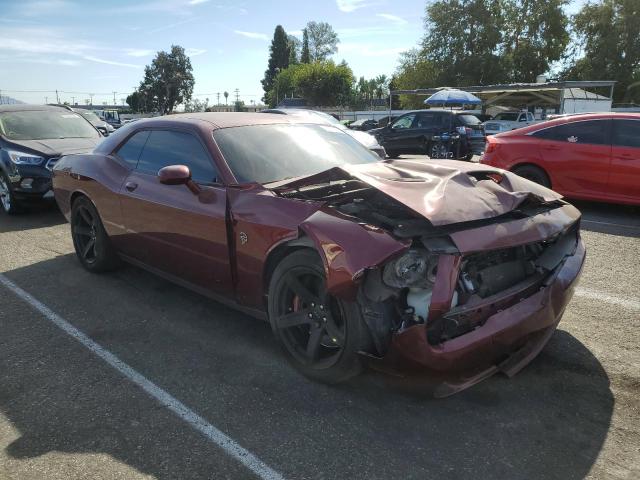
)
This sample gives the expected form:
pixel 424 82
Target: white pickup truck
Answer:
pixel 505 121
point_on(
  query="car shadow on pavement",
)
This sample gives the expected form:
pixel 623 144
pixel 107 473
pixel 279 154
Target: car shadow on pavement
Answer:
pixel 36 216
pixel 549 421
pixel 612 219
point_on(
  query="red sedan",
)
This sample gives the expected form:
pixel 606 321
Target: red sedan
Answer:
pixel 456 269
pixel 587 157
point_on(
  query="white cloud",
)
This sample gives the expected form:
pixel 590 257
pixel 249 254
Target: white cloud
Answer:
pixel 138 52
pixel 194 52
pixel 197 2
pixel 34 41
pixel 394 18
pixel 254 35
pixel 350 5
pixel 91 58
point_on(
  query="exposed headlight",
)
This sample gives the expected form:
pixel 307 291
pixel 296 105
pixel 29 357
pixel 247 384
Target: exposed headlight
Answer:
pixel 23 158
pixel 416 268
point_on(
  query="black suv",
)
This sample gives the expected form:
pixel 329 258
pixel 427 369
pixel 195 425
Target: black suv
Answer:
pixel 32 139
pixel 414 132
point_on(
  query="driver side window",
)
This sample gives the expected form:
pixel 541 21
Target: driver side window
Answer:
pixel 403 122
pixel 170 147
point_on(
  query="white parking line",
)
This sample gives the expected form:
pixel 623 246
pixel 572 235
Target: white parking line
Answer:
pixel 627 303
pixel 226 443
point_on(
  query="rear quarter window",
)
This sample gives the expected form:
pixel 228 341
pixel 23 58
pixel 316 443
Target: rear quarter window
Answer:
pixel 593 132
pixel 130 150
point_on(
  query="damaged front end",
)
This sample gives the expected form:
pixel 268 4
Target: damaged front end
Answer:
pixel 461 299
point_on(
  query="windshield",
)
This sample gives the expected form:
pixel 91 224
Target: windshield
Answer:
pixel 508 116
pixel 318 116
pixel 92 117
pixel 469 119
pixel 45 124
pixel 269 153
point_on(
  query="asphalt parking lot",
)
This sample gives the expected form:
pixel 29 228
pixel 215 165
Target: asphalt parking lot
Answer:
pixel 67 413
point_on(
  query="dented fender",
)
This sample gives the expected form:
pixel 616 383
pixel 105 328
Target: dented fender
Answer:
pixel 347 248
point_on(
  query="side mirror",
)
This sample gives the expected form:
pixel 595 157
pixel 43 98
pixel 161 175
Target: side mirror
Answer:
pixel 177 175
pixel 174 175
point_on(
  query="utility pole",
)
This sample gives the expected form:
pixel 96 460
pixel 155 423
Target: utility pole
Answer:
pixel 46 100
pixel 237 95
pixel 114 98
pixel 218 95
pixel 73 100
pixel 57 98
pixel 91 99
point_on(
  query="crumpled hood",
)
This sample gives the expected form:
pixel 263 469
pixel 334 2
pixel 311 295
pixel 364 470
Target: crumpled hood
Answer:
pixel 444 191
pixel 58 146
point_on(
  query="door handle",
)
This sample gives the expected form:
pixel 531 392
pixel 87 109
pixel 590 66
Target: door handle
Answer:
pixel 551 147
pixel 628 156
pixel 130 186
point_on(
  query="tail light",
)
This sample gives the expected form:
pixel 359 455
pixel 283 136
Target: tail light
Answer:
pixel 491 145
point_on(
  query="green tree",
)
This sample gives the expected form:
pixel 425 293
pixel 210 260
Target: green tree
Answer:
pixel 323 41
pixel 607 46
pixel 320 83
pixel 462 41
pixel 415 70
pixel 305 55
pixel 226 97
pixel 535 34
pixel 294 48
pixel 168 81
pixel 135 101
pixel 278 58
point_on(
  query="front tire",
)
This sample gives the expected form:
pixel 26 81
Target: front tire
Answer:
pixel 90 240
pixel 8 201
pixel 320 334
pixel 533 173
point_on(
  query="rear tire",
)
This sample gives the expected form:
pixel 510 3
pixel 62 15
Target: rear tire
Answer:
pixel 533 173
pixel 8 202
pixel 92 244
pixel 319 334
pixel 392 154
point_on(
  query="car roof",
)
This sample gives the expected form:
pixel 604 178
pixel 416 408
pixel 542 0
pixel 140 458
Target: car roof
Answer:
pixel 580 117
pixel 23 107
pixel 221 119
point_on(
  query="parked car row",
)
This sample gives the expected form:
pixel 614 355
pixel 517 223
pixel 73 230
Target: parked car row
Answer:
pixel 32 139
pixel 421 132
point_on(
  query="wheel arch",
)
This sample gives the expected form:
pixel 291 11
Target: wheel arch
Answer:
pixel 529 163
pixel 279 252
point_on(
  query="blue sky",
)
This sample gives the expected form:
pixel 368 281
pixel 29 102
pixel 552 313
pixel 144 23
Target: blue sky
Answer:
pixel 101 47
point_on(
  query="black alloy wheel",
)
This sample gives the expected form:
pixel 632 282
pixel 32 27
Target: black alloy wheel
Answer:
pixel 320 334
pixel 90 240
pixel 533 173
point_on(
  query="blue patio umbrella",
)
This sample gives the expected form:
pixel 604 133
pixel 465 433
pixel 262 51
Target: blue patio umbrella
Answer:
pixel 452 96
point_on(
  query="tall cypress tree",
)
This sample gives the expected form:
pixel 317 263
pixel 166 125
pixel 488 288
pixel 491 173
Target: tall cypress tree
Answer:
pixel 279 58
pixel 305 56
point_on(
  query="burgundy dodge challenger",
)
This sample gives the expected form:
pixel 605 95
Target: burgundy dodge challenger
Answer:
pixel 450 268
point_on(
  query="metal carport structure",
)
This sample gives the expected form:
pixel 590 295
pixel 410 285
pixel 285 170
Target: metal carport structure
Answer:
pixel 522 95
